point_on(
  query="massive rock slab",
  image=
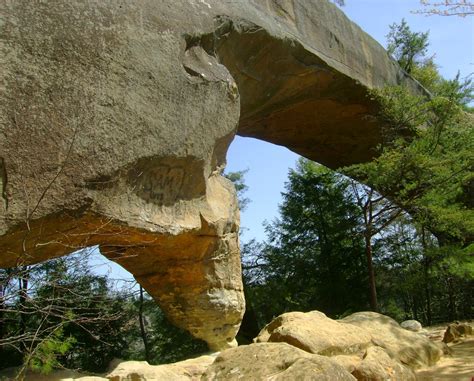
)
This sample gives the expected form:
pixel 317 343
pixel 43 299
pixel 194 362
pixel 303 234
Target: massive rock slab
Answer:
pixel 187 370
pixel 273 361
pixel 377 365
pixel 368 345
pixel 314 332
pixel 115 119
pixel 410 348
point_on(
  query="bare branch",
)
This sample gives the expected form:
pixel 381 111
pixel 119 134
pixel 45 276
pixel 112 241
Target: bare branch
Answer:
pixel 460 8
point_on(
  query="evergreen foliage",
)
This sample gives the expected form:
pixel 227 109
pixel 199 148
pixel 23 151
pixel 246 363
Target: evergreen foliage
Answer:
pixel 405 46
pixel 238 179
pixel 314 258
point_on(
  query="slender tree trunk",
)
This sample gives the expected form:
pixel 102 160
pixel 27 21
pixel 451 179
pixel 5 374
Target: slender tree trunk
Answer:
pixel 451 300
pixel 2 309
pixel 415 308
pixel 141 319
pixel 406 306
pixel 370 267
pixel 426 266
pixel 426 277
pixel 429 314
pixel 23 295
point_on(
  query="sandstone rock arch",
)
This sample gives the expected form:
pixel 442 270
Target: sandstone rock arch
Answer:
pixel 116 118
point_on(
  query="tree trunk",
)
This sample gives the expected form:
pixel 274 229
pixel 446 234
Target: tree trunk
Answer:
pixel 23 295
pixel 415 308
pixel 2 308
pixel 370 267
pixel 426 277
pixel 429 318
pixel 451 300
pixel 142 327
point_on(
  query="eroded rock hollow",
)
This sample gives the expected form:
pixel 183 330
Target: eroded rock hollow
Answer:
pixel 116 118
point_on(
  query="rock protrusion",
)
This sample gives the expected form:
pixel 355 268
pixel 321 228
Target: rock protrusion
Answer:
pixel 455 331
pixel 411 325
pixel 368 345
pixel 409 348
pixel 187 370
pixel 273 361
pixel 377 365
pixel 314 332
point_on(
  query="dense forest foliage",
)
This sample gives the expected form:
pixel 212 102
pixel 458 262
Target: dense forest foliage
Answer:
pixel 394 235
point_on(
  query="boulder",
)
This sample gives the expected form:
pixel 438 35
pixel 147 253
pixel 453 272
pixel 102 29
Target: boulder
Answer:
pixel 348 362
pixel 377 365
pixel 188 370
pixel 352 347
pixel 411 325
pixel 455 331
pixel 273 361
pixel 464 329
pixel 451 334
pixel 409 348
pixel 445 348
pixel 314 332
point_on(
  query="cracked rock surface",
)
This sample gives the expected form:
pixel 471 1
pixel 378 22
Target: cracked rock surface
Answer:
pixel 273 361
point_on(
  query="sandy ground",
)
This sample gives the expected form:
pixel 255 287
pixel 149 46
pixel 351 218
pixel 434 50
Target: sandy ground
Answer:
pixel 458 366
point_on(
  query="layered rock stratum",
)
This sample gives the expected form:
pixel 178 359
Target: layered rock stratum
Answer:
pixel 115 119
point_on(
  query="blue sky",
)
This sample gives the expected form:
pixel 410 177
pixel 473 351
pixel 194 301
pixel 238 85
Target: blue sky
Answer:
pixel 451 40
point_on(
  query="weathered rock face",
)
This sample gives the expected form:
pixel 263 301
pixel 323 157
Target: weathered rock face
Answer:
pixel 377 365
pixel 314 332
pixel 116 117
pixel 273 361
pixel 107 140
pixel 188 370
pixel 409 348
pixel 455 330
pixel 375 348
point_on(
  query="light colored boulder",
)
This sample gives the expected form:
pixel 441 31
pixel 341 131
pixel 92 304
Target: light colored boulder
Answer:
pixel 348 362
pixel 314 332
pixel 464 329
pixel 455 331
pixel 411 349
pixel 451 334
pixel 188 370
pixel 273 361
pixel 375 365
pixel 378 366
pixel 411 325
